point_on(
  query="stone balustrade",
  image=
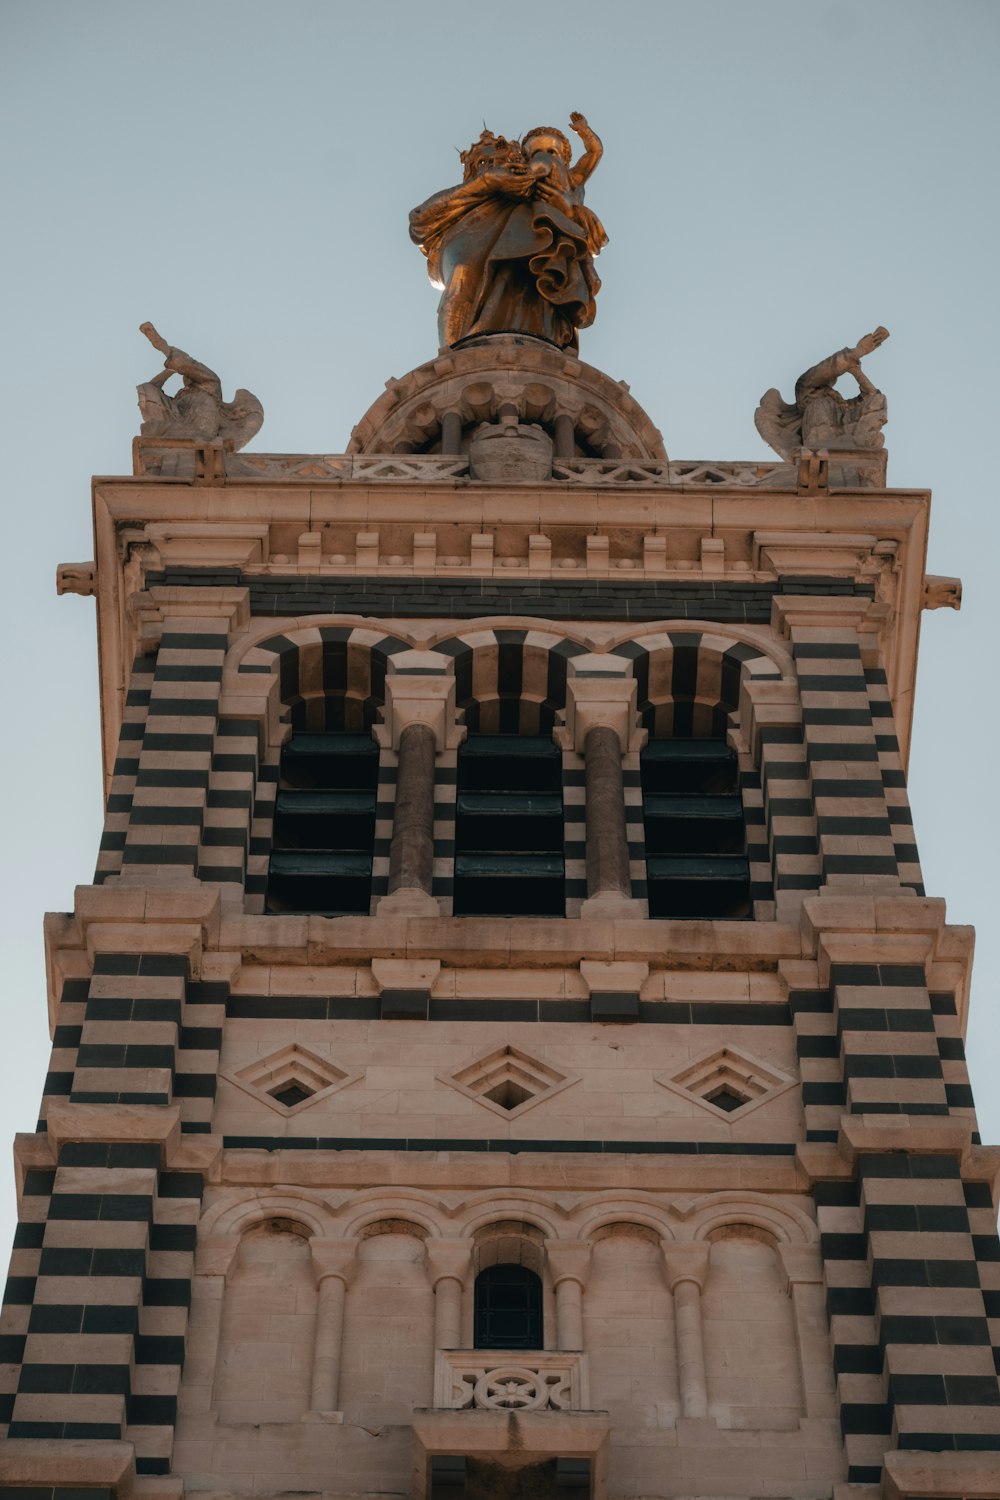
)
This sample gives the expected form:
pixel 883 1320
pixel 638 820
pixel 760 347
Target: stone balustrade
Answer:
pixel 510 1380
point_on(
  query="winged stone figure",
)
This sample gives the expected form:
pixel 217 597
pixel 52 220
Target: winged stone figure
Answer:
pixel 820 416
pixel 197 411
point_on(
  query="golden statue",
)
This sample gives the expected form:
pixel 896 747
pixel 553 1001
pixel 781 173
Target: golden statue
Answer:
pixel 513 245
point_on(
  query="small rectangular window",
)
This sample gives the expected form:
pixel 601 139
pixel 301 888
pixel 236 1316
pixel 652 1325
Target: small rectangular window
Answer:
pixel 696 864
pixel 324 825
pixel 509 827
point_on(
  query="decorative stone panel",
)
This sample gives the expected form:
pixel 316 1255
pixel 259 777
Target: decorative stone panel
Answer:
pixel 508 1081
pixel 510 1380
pixel 291 1079
pixel 728 1083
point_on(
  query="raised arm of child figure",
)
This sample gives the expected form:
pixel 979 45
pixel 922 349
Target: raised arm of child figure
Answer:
pixel 593 150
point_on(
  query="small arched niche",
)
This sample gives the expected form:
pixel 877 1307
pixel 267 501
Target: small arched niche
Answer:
pixel 629 1327
pixel 388 1325
pixel 264 1364
pixel 751 1342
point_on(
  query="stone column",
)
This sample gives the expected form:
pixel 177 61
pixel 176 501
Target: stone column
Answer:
pixel 564 436
pixel 569 1268
pixel 411 855
pixel 419 723
pixel 449 1263
pixel 600 718
pixel 451 434
pixel 607 843
pixel 333 1266
pixel 686 1268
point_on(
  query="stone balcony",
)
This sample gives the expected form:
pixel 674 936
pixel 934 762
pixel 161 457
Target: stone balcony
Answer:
pixel 510 1380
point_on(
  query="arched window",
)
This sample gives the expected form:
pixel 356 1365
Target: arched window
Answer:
pixel 696 860
pixel 324 824
pixel 508 1308
pixel 509 827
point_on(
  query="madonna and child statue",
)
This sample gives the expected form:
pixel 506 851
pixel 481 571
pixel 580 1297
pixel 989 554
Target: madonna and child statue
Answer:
pixel 513 245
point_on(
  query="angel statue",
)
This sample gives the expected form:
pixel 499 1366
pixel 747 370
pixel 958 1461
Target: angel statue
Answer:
pixel 821 417
pixel 513 245
pixel 197 411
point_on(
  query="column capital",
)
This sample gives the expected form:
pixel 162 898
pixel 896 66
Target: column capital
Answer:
pixel 602 702
pixel 686 1262
pixel 448 1259
pixel 215 1255
pixel 568 1260
pixel 420 689
pixel 336 1258
pixel 802 1264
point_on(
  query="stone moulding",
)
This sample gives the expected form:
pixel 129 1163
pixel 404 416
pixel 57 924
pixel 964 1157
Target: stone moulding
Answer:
pixel 511 1380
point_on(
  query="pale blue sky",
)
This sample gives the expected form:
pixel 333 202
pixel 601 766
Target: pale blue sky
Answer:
pixel 779 177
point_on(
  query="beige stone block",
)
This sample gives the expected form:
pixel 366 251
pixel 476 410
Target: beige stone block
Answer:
pixel 126 1180
pixel 101 1233
pixel 68 1463
pixel 940 1476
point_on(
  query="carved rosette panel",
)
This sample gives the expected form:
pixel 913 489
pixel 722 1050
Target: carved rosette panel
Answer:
pixel 510 1380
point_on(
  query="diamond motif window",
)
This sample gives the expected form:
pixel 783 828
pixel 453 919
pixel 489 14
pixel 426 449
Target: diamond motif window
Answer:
pixel 728 1082
pixel 508 1081
pixel 291 1079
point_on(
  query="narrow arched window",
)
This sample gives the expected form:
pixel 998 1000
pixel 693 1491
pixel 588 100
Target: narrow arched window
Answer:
pixel 696 861
pixel 508 1308
pixel 324 825
pixel 509 827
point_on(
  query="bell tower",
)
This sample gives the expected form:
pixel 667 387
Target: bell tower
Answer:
pixel 506 1047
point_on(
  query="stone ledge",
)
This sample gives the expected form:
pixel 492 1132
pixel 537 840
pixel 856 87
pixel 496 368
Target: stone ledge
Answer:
pixel 45 1463
pixel 511 1440
pixel 940 1476
pixel 928 1135
pixel 569 1171
pixel 114 1123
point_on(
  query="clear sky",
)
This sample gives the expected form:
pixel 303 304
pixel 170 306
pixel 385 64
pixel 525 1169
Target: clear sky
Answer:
pixel 779 177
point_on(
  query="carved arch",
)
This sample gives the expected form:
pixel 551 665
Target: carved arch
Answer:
pixel 237 1216
pixel 784 1222
pixel 329 676
pixel 502 375
pixel 412 1215
pixel 490 1209
pixel 510 680
pixel 689 676
pixel 595 1217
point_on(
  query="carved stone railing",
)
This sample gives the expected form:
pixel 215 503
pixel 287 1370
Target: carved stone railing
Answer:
pixel 207 463
pixel 677 474
pixel 510 1380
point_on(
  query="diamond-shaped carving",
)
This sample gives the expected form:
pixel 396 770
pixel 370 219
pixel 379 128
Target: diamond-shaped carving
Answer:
pixel 291 1079
pixel 508 1081
pixel 728 1083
